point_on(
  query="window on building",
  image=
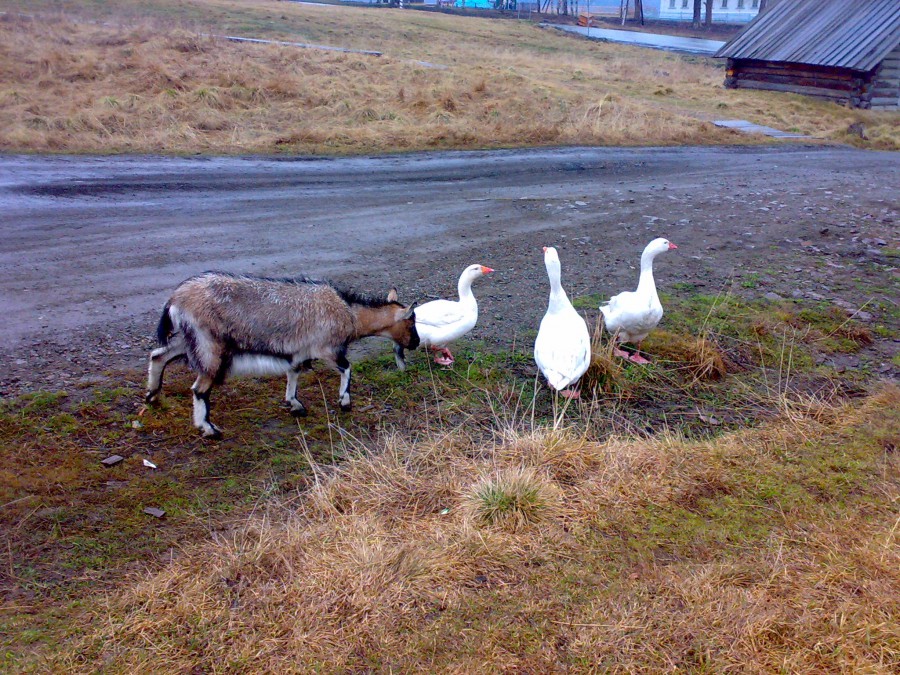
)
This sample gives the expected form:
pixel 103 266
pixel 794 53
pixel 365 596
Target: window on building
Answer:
pixel 683 4
pixel 724 4
pixel 754 4
pixel 671 4
pixel 740 4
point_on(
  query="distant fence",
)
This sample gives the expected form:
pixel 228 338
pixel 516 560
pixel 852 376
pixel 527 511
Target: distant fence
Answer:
pixel 572 7
pixel 575 7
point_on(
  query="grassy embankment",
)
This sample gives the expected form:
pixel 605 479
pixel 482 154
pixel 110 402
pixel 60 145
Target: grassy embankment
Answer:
pixel 733 505
pixel 140 77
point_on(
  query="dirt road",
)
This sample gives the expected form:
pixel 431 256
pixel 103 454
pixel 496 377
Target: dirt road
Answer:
pixel 91 246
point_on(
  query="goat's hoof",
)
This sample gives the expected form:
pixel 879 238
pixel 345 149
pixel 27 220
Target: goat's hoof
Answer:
pixel 346 408
pixel 214 433
pixel 299 412
pixel 152 397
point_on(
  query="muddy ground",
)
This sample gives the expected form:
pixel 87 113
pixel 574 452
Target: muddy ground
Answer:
pixel 91 246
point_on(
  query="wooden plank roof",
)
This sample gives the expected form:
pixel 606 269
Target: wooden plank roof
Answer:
pixel 854 34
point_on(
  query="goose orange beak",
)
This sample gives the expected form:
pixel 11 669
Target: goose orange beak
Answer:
pixel 486 270
pixel 671 246
pixel 545 249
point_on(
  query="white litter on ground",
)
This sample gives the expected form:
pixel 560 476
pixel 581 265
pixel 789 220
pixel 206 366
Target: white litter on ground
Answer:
pixel 750 128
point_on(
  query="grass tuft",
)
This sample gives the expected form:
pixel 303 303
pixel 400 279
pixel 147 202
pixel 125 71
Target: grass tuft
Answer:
pixel 513 499
pixel 698 355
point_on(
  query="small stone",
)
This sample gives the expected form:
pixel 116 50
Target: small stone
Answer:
pixel 153 511
pixel 773 296
pixel 112 460
pixel 857 129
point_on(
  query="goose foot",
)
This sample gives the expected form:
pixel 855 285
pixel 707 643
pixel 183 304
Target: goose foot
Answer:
pixel 637 358
pixel 621 353
pixel 570 393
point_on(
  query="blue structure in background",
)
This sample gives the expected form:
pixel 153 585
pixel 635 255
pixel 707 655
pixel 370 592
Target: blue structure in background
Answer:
pixel 478 4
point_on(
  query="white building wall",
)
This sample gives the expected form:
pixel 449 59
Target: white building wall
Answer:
pixel 727 11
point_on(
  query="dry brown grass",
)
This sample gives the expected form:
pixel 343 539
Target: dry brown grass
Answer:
pixel 140 77
pixel 765 550
pixel 698 355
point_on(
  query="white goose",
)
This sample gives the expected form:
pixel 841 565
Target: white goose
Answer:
pixel 562 349
pixel 630 316
pixel 440 322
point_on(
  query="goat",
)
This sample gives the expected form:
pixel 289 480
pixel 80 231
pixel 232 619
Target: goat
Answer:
pixel 226 324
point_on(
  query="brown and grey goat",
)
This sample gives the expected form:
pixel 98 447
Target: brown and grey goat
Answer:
pixel 226 324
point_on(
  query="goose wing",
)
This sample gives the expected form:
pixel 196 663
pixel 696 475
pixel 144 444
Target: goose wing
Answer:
pixel 562 349
pixel 440 313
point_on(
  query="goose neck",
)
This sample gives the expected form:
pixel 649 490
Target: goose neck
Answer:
pixel 558 300
pixel 646 281
pixel 558 296
pixel 464 288
pixel 646 284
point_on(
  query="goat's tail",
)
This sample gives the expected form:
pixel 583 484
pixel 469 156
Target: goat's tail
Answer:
pixel 165 328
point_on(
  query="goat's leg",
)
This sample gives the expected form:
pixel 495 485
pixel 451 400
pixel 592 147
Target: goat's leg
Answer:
pixel 201 389
pixel 399 357
pixel 343 367
pixel 290 394
pixel 159 359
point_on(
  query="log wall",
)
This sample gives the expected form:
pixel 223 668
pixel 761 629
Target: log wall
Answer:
pixel 885 84
pixel 878 88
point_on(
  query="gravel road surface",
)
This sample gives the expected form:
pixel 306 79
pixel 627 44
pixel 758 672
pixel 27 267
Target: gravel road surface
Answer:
pixel 91 246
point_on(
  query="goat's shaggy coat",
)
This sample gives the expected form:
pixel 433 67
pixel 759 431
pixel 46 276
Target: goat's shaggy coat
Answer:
pixel 226 324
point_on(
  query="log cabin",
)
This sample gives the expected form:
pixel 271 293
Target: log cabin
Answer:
pixel 844 51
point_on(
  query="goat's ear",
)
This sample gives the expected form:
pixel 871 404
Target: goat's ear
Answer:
pixel 409 311
pixel 392 295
